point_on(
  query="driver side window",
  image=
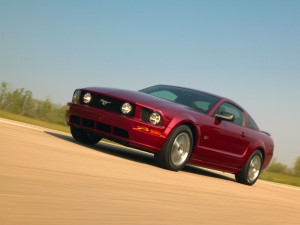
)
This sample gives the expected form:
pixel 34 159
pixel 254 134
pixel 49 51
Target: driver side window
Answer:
pixel 232 109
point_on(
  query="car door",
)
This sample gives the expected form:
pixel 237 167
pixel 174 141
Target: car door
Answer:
pixel 225 142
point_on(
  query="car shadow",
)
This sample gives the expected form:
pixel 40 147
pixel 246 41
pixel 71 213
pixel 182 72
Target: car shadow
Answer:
pixel 136 155
pixel 112 149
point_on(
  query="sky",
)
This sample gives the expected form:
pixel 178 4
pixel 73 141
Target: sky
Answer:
pixel 248 51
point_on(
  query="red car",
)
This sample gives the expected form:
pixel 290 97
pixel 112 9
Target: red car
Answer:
pixel 179 125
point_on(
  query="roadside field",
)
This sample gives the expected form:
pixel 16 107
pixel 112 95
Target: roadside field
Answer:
pixel 24 119
pixel 280 178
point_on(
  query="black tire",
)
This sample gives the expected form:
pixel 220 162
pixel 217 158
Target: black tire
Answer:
pixel 177 150
pixel 251 170
pixel 84 137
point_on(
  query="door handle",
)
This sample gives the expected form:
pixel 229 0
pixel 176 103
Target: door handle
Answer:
pixel 243 134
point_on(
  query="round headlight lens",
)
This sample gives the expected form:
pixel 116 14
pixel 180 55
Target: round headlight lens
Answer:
pixel 126 108
pixel 87 97
pixel 76 96
pixel 155 118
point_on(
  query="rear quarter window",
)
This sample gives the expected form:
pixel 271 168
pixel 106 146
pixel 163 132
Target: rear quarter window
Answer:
pixel 252 124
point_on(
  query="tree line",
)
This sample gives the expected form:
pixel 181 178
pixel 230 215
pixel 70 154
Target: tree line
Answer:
pixel 277 167
pixel 22 102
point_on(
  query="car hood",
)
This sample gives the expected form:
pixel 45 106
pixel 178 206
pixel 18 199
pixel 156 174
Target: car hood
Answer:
pixel 136 97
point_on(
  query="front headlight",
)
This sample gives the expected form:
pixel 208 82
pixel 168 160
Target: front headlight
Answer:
pixel 126 108
pixel 87 98
pixel 76 96
pixel 155 118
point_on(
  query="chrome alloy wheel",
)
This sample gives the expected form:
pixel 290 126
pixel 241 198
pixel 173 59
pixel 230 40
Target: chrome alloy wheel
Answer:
pixel 254 168
pixel 180 149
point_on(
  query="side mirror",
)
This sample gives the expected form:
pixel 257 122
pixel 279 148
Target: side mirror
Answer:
pixel 225 116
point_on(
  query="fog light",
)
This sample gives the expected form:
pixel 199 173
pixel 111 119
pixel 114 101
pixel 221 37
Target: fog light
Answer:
pixel 126 108
pixel 155 118
pixel 87 98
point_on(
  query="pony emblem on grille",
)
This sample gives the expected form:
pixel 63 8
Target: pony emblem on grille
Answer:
pixel 104 102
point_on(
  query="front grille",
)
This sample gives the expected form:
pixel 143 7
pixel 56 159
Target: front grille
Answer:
pixel 145 115
pixel 106 103
pixel 87 123
pixel 103 127
pixel 120 132
pixel 106 128
pixel 75 119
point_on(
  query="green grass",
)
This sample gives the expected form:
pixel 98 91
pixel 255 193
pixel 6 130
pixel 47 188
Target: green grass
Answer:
pixel 28 120
pixel 280 178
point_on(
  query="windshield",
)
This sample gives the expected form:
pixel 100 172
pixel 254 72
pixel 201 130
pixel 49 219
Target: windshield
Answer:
pixel 200 101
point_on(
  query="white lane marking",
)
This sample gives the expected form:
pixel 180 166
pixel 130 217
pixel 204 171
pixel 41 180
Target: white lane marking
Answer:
pixel 280 185
pixel 20 125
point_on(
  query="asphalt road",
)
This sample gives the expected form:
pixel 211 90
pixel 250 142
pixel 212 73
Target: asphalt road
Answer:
pixel 47 178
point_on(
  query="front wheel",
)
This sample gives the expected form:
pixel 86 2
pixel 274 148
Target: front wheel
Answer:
pixel 251 171
pixel 84 137
pixel 177 149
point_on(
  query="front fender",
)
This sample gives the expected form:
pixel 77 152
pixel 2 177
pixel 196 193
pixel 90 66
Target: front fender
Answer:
pixel 187 120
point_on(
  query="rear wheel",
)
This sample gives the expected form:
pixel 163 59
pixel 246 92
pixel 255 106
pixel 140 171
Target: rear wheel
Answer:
pixel 84 137
pixel 177 149
pixel 251 171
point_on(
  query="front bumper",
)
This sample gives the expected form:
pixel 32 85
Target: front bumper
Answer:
pixel 116 127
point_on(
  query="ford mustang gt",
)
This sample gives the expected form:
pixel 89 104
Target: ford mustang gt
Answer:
pixel 178 125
